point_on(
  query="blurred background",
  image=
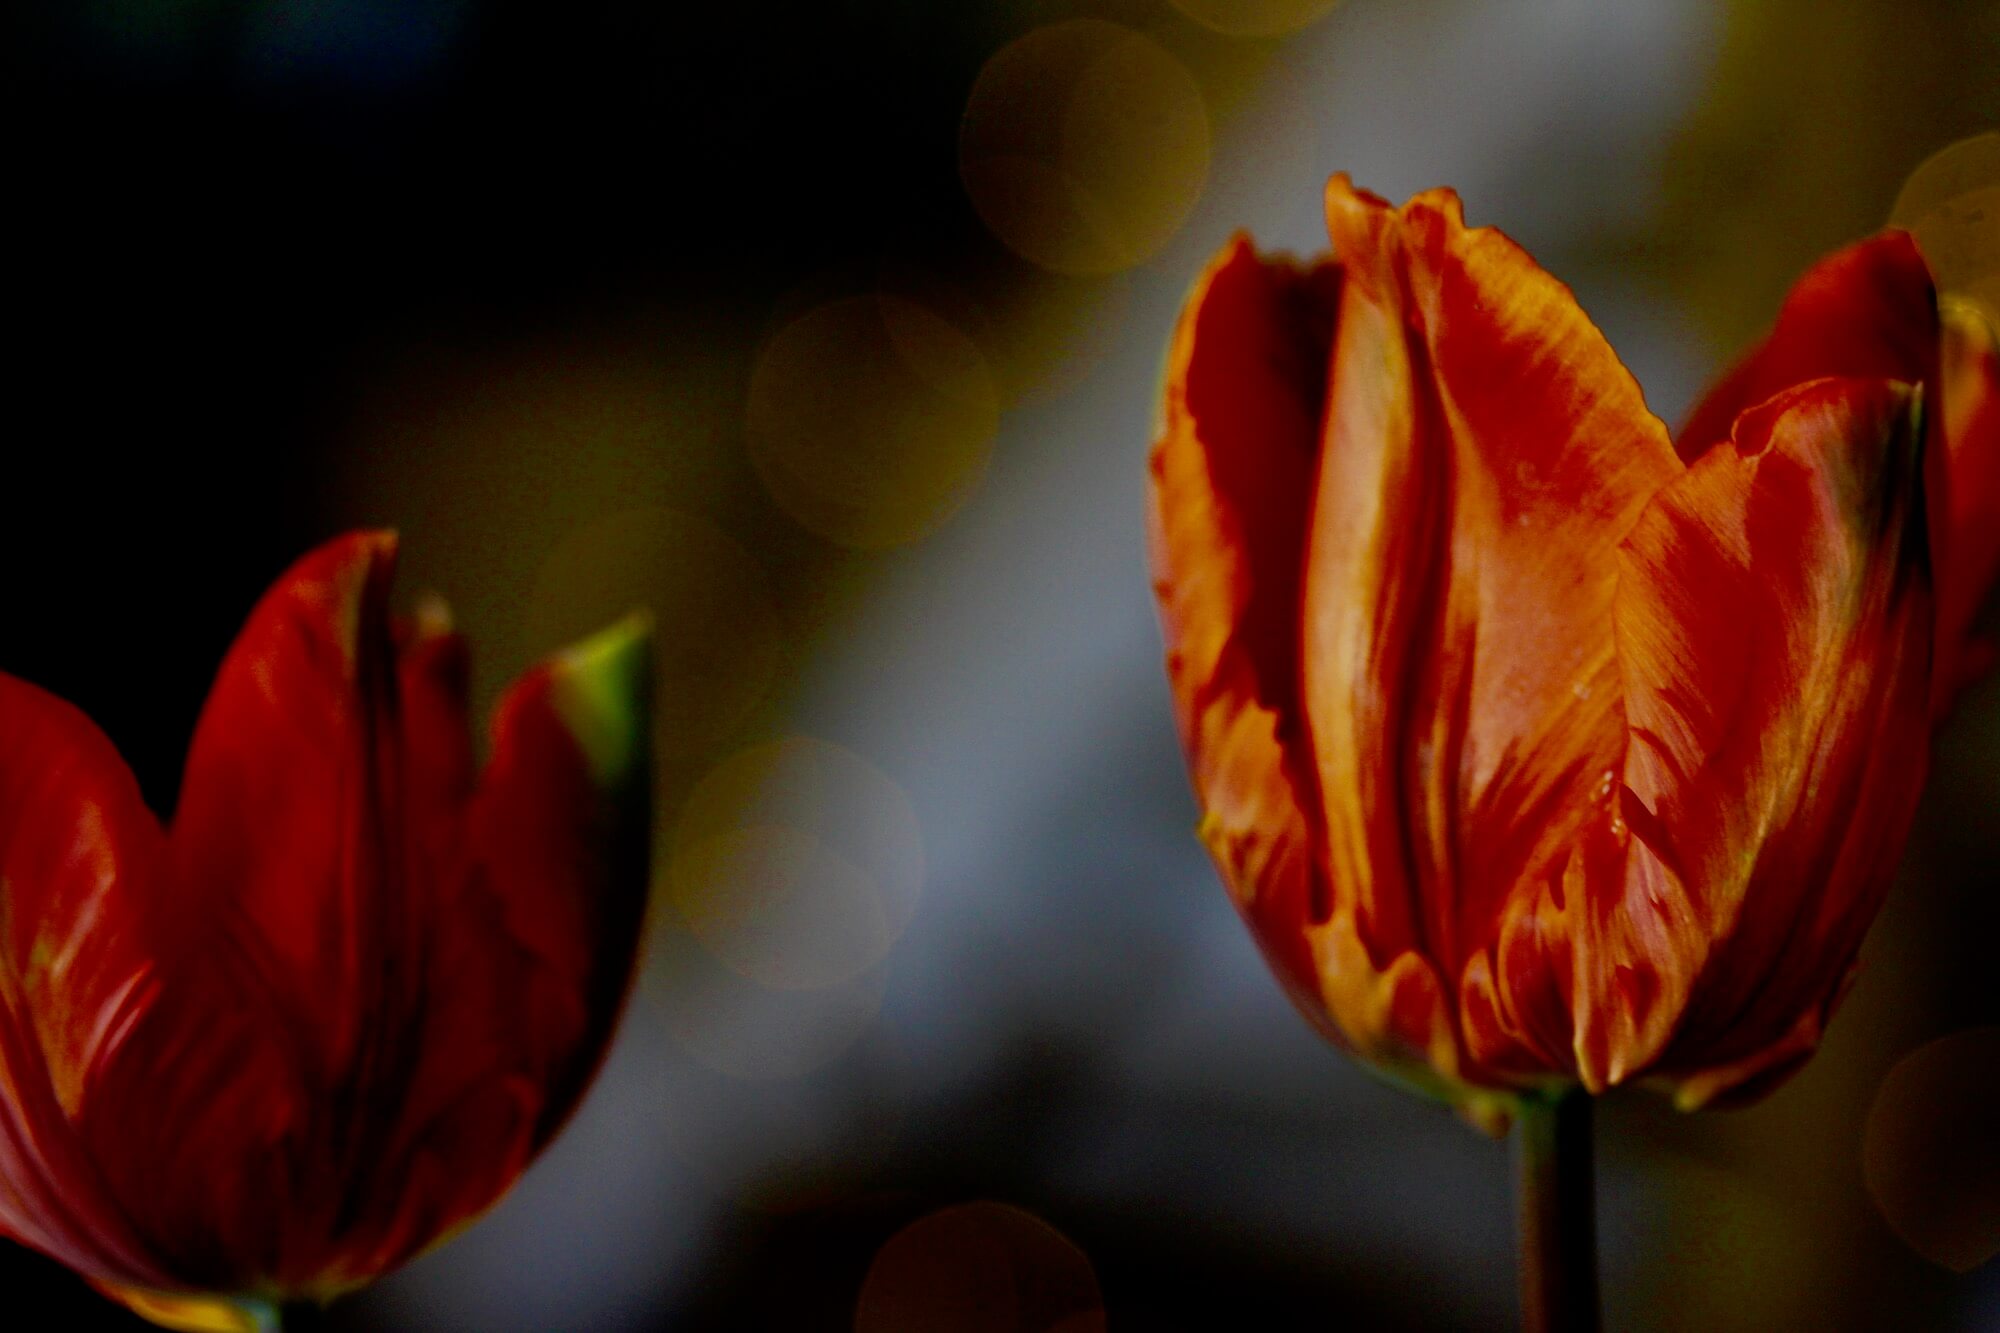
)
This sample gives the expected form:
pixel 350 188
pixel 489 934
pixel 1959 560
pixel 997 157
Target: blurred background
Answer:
pixel 832 332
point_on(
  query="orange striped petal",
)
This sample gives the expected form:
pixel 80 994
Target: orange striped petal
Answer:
pixel 1870 312
pixel 1774 626
pixel 1231 480
pixel 1865 312
pixel 1484 455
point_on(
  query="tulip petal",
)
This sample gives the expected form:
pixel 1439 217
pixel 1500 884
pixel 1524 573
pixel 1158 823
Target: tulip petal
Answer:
pixel 1866 312
pixel 287 828
pixel 1870 312
pixel 560 827
pixel 1774 632
pixel 1231 481
pixel 297 860
pixel 1484 455
pixel 352 990
pixel 534 924
pixel 449 951
pixel 78 851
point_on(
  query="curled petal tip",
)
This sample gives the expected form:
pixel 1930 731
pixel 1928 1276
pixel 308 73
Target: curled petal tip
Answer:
pixel 602 690
pixel 1343 197
pixel 1441 202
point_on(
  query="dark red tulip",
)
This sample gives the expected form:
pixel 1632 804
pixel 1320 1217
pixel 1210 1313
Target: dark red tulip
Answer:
pixel 1535 751
pixel 272 1049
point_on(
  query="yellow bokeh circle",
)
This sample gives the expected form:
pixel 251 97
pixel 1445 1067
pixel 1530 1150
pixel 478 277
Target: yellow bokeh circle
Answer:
pixel 871 419
pixel 797 864
pixel 1951 204
pixel 1084 146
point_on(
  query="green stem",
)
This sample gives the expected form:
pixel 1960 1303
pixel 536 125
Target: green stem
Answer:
pixel 1557 1215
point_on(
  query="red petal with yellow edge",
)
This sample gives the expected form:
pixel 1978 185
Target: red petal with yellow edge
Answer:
pixel 1964 491
pixel 77 852
pixel 1866 312
pixel 1484 455
pixel 1774 627
pixel 1231 480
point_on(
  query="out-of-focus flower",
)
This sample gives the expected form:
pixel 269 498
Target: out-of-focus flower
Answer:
pixel 1534 750
pixel 330 1012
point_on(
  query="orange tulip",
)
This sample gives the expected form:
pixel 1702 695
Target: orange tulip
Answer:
pixel 268 1052
pixel 1536 751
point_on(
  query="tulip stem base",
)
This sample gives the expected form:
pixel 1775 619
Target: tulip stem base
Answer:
pixel 1556 1198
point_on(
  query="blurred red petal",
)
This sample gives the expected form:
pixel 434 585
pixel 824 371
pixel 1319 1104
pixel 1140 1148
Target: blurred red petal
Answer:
pixel 531 938
pixel 78 851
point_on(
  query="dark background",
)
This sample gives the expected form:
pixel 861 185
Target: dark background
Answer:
pixel 489 272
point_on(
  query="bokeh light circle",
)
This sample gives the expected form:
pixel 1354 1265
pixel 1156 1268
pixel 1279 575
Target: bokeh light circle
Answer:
pixel 1256 18
pixel 1084 146
pixel 1951 204
pixel 720 634
pixel 797 864
pixel 1931 1152
pixel 871 419
pixel 980 1268
pixel 1044 334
